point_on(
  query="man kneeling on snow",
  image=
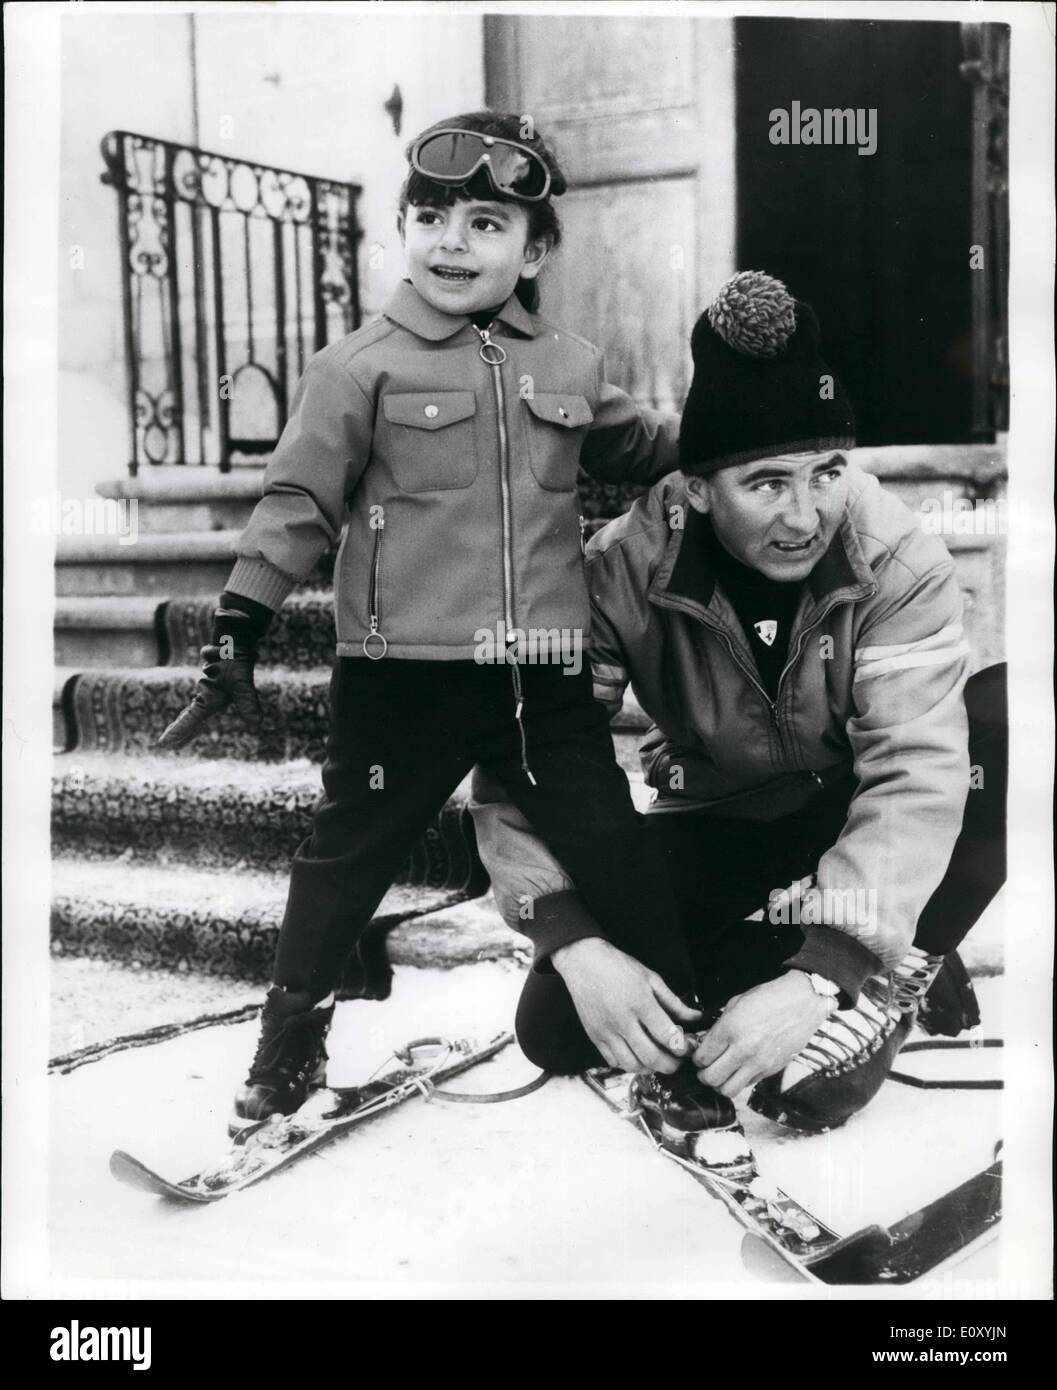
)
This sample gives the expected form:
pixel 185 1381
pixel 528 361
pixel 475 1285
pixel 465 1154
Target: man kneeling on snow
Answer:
pixel 818 759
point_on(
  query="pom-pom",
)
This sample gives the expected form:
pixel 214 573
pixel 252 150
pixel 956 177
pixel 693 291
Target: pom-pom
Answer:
pixel 754 314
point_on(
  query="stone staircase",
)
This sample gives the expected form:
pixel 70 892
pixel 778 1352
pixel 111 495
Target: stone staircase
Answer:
pixel 180 860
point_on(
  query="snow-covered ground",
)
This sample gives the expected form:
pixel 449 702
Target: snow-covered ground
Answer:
pixel 548 1195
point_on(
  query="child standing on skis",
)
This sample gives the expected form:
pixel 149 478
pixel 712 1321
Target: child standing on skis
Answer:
pixel 446 438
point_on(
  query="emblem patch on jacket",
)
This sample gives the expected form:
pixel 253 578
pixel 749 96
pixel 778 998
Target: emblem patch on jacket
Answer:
pixel 767 631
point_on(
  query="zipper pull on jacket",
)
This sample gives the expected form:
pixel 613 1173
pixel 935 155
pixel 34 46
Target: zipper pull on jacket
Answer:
pixel 375 644
pixel 492 353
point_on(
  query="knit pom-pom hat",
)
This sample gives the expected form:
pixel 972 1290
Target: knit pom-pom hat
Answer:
pixel 761 387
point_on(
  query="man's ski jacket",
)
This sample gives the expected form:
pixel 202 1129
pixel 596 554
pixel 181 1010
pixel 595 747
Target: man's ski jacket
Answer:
pixel 455 480
pixel 872 685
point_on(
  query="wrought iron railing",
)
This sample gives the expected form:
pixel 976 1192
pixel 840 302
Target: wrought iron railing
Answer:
pixel 233 274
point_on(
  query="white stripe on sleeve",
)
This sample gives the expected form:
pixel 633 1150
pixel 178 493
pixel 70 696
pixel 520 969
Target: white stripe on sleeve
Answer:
pixel 941 656
pixel 953 632
pixel 609 681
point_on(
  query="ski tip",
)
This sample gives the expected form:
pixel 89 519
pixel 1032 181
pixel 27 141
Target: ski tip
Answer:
pixel 133 1173
pixel 122 1163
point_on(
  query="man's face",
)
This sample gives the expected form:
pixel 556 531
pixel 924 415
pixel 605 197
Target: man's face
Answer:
pixel 776 515
pixel 470 256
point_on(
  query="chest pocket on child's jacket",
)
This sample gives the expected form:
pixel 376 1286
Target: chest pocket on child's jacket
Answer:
pixel 429 439
pixel 556 430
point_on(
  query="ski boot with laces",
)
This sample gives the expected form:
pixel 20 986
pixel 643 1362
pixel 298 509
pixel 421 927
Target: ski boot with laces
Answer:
pixel 691 1119
pixel 845 1062
pixel 291 1059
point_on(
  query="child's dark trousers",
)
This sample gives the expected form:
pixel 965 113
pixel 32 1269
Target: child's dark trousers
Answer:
pixel 402 736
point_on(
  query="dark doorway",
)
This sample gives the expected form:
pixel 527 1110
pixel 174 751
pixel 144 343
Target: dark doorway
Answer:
pixel 879 243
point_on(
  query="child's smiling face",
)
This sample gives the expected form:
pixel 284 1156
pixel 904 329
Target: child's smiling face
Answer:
pixel 469 256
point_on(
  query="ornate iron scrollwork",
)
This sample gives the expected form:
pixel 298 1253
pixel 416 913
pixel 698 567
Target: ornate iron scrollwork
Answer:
pixel 233 272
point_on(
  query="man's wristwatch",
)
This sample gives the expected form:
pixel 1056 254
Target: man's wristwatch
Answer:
pixel 826 989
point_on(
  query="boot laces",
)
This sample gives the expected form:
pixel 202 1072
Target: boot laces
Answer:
pixel 913 976
pixel 290 1048
pixel 849 1036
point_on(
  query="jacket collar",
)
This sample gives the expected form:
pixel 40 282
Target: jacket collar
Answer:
pixel 686 577
pixel 407 308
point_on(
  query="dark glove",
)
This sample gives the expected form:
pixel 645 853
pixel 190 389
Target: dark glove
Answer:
pixel 227 679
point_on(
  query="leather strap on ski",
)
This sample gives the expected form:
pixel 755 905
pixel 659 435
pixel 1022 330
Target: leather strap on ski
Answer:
pixel 406 1053
pixel 946 1045
pixel 493 1097
pixel 95 1052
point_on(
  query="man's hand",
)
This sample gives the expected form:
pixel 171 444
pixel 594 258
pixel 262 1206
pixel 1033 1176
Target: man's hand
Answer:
pixel 759 1032
pixel 627 1011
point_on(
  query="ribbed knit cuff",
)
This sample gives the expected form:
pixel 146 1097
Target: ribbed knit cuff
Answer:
pixel 558 919
pixel 263 583
pixel 838 957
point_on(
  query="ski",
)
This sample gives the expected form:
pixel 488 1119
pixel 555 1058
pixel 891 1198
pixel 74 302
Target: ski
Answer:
pixel 260 1150
pixel 926 1239
pixel 723 1163
pixel 731 1176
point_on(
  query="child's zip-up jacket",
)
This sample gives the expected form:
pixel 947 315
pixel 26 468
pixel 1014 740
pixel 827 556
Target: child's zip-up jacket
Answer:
pixel 454 477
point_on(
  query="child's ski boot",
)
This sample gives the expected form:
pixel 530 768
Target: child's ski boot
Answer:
pixel 691 1119
pixel 291 1059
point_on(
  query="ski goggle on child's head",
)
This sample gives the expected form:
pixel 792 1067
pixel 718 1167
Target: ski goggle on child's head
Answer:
pixel 452 157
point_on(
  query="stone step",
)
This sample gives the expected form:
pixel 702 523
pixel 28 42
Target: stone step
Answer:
pixel 302 636
pixel 186 483
pixel 226 922
pixel 62 722
pixel 104 630
pixel 979 465
pixel 189 498
pixel 125 709
pixel 107 630
pixel 225 815
pixel 162 564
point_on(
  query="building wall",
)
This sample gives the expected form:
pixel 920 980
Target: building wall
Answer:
pixel 641 111
pixel 117 72
pixel 302 91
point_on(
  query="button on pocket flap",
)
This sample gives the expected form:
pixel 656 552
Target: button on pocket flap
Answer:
pixel 569 411
pixel 430 410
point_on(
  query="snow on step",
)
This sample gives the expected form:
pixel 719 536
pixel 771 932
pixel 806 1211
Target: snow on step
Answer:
pixel 226 922
pixel 126 709
pixel 225 813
